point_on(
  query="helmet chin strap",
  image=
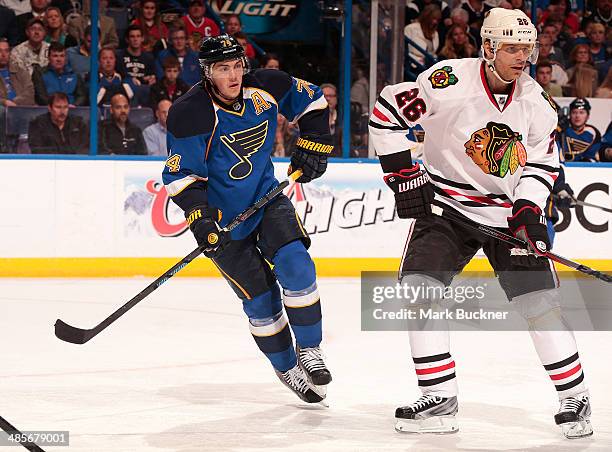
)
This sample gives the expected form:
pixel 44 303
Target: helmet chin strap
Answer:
pixel 491 66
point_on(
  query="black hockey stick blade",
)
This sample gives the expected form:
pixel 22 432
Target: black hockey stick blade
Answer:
pixel 11 430
pixel 500 235
pixel 69 333
pixel 74 335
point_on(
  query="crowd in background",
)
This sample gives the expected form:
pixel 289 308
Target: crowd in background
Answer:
pixel 148 58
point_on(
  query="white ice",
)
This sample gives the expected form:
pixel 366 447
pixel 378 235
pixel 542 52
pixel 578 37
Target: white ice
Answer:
pixel 180 372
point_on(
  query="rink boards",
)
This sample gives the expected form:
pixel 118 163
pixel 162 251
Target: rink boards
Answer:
pixel 113 218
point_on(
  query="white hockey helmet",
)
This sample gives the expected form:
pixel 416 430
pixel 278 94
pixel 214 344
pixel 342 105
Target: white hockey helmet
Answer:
pixel 509 26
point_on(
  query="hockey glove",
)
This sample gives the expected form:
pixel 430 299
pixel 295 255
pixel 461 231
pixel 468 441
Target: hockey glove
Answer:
pixel 565 197
pixel 413 192
pixel 311 157
pixel 527 223
pixel 202 221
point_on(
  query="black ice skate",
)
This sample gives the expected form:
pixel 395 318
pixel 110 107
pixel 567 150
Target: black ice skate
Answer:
pixel 311 361
pixel 429 414
pixel 296 380
pixel 573 417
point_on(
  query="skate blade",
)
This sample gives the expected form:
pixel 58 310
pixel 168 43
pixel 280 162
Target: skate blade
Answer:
pixel 574 430
pixel 435 424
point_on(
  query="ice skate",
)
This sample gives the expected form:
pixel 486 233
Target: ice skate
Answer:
pixel 296 380
pixel 429 414
pixel 311 362
pixel 573 417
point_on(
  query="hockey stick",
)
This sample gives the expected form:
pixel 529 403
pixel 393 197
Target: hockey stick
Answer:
pixel 11 430
pixel 76 335
pixel 492 232
pixel 586 204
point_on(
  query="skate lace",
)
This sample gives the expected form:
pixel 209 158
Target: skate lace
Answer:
pixel 571 404
pixel 296 380
pixel 424 401
pixel 312 359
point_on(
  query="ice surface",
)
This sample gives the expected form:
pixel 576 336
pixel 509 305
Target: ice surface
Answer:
pixel 180 372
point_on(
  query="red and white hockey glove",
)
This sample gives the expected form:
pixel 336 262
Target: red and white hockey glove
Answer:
pixel 413 192
pixel 527 223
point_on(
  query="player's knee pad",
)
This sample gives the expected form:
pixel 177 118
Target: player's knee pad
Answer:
pixel 541 309
pixel 294 267
pixel 265 305
pixel 423 289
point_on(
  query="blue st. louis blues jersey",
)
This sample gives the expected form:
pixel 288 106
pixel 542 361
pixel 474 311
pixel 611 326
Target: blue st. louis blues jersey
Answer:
pixel 220 154
pixel 579 145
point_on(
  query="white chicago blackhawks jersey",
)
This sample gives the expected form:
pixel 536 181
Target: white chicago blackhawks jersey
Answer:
pixel 482 153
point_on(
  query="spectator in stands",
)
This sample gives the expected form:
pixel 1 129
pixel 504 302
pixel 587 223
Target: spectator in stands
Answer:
pixel 155 134
pixel 596 34
pixel 137 65
pixel 37 9
pixel 580 141
pixel 424 33
pixel 15 82
pixel 605 89
pixel 457 44
pixel 460 16
pixel 8 27
pixel 197 25
pixel 233 25
pixel 58 132
pixel 582 75
pixel 544 77
pixel 117 134
pixel 243 40
pixel 414 9
pixel 170 87
pixel 34 50
pixel 330 92
pixel 58 77
pixel 110 81
pixel 78 56
pixel 602 14
pixel 476 10
pixel 270 61
pixel 108 31
pixel 56 28
pixel 558 10
pixel 17 6
pixel 548 51
pixel 155 31
pixel 560 38
pixel 190 66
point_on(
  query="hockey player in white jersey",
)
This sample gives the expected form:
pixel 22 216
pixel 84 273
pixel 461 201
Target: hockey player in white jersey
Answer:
pixel 489 155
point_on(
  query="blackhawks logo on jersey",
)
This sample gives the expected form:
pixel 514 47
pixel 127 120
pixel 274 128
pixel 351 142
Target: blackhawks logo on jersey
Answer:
pixel 443 77
pixel 496 149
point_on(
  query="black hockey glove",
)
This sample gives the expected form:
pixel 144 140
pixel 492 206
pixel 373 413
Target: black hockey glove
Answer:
pixel 413 192
pixel 311 157
pixel 527 223
pixel 202 221
pixel 565 197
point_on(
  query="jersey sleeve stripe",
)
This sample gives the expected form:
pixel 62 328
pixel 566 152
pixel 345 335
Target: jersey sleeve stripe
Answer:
pixel 540 179
pixel 380 126
pixel 319 104
pixel 382 101
pixel 174 188
pixel 550 169
pixel 380 115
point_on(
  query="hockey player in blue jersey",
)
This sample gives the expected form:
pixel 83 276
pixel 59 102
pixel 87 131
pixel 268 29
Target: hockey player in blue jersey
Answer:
pixel 220 137
pixel 579 142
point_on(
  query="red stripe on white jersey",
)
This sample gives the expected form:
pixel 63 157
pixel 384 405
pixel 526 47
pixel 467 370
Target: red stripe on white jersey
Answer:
pixel 380 115
pixel 481 199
